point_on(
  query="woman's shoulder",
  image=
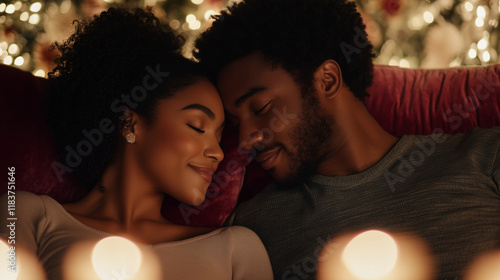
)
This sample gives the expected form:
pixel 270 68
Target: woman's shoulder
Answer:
pixel 22 198
pixel 244 239
pixel 25 200
pixel 239 232
pixel 26 204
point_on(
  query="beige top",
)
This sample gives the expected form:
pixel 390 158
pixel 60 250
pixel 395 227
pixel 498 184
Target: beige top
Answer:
pixel 45 228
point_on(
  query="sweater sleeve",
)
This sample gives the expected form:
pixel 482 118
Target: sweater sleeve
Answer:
pixel 249 256
pixel 28 212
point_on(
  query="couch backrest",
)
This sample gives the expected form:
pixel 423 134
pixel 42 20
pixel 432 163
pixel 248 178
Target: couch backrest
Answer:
pixel 404 101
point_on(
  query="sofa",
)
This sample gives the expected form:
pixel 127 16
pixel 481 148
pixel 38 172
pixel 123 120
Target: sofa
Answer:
pixel 403 101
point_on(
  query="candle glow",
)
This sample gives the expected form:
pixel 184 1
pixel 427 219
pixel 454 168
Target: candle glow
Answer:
pixel 371 254
pixel 116 258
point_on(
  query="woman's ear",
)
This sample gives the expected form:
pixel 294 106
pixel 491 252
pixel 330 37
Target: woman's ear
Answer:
pixel 128 122
pixel 328 79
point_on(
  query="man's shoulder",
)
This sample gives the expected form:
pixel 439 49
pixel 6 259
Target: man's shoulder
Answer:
pixel 476 139
pixel 482 140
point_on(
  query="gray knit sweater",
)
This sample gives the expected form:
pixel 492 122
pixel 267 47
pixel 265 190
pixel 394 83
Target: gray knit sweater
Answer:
pixel 443 188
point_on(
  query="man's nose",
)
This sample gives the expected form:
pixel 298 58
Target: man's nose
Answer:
pixel 250 137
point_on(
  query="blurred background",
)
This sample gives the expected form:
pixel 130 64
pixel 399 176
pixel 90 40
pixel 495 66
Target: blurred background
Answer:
pixel 405 33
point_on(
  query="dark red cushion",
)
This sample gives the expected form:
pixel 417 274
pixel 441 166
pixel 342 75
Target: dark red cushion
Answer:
pixel 404 101
pixel 417 101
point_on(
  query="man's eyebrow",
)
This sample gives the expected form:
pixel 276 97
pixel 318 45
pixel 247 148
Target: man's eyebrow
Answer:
pixel 202 108
pixel 246 96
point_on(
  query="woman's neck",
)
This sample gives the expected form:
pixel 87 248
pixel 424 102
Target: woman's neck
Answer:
pixel 125 196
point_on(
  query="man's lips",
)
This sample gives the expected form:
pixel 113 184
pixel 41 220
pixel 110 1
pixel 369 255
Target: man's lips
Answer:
pixel 205 172
pixel 268 158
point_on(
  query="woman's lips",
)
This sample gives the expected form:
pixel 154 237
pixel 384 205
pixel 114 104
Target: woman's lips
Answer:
pixel 268 159
pixel 205 172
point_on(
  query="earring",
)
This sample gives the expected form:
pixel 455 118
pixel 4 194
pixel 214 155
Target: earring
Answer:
pixel 130 137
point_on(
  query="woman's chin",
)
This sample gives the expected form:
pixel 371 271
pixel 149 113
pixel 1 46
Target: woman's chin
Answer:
pixel 196 197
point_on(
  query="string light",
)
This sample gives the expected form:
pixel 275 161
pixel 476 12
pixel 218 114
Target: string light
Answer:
pixel 482 44
pixel 486 56
pixel 24 16
pixel 36 7
pixel 468 6
pixel 481 12
pixel 34 19
pixel 10 9
pixel 472 53
pixel 190 18
pixel 209 13
pixel 13 49
pixel 7 60
pixel 18 5
pixel 428 17
pixel 39 73
pixel 19 61
pixel 480 18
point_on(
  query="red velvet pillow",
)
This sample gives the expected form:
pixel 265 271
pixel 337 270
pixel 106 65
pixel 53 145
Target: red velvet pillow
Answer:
pixel 404 101
pixel 419 101
pixel 28 146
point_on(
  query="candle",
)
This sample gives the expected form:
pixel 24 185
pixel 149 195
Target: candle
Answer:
pixel 486 267
pixel 375 255
pixel 371 254
pixel 111 258
pixel 18 263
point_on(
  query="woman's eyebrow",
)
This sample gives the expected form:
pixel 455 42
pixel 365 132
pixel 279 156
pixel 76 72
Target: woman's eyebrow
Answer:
pixel 202 108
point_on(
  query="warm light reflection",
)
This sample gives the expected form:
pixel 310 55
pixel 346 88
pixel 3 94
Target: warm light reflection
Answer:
pixel 428 17
pixel 7 60
pixel 34 19
pixel 91 260
pixel 374 255
pixel 13 49
pixel 19 263
pixel 371 255
pixel 195 25
pixel 481 12
pixel 209 13
pixel 116 257
pixel 468 6
pixel 5 273
pixel 479 22
pixel 486 267
pixel 486 56
pixel 10 9
pixel 482 44
pixel 472 53
pixel 35 7
pixel 190 18
pixel 19 61
pixel 39 73
pixel 24 16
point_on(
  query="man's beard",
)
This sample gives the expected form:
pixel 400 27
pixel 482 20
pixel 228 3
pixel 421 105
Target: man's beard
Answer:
pixel 311 137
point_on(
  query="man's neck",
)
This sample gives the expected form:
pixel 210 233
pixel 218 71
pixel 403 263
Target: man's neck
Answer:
pixel 362 142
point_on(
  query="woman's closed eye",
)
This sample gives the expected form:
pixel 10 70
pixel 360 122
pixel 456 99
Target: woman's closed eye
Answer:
pixel 196 129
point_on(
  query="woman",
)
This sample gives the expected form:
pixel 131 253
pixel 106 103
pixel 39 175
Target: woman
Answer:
pixel 135 120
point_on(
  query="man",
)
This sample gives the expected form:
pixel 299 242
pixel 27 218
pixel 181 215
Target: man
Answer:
pixel 292 75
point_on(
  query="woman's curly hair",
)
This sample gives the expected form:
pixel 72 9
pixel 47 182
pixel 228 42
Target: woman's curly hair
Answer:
pixel 297 35
pixel 118 60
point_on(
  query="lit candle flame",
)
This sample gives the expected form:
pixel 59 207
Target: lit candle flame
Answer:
pixel 371 254
pixel 116 258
